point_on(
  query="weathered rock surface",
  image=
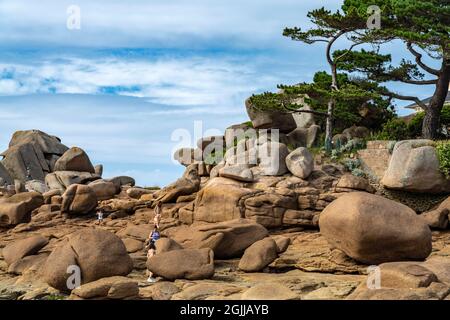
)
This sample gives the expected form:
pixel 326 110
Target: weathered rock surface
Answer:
pixel 61 180
pixel 227 239
pixel 79 200
pixel 414 167
pixel 272 158
pixel 191 264
pixel 373 229
pixel 268 208
pixel 107 288
pixel 136 193
pixel 17 208
pixel 270 119
pixel 220 201
pixel 300 162
pixel 98 254
pixel 22 248
pixel 439 217
pixel 237 172
pixel 36 186
pixel 304 137
pixel 74 159
pixel 259 255
pixel 188 184
pixel 121 181
pixel 165 245
pixel 32 154
pixel 349 181
pixel 269 291
pixel 5 176
pixel 103 189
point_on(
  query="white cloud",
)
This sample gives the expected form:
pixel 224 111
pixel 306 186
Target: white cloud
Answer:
pixel 170 23
pixel 184 81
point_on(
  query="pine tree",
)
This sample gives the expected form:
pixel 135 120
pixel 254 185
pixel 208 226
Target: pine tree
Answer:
pixel 424 27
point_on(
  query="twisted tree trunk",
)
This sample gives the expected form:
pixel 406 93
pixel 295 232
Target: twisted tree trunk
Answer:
pixel 431 123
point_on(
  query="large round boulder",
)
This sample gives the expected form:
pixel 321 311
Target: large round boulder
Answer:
pixel 78 200
pixel 98 254
pixel 300 162
pixel 259 255
pixel 191 264
pixel 74 159
pixel 414 167
pixel 372 229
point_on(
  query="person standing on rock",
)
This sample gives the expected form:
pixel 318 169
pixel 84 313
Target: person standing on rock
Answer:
pixel 100 217
pixel 157 217
pixel 154 236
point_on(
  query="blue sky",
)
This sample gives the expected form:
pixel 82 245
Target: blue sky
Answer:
pixel 137 72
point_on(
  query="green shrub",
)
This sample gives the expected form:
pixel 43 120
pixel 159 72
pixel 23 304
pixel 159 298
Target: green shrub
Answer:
pixel 359 173
pixel 352 164
pixel 394 129
pixel 443 151
pixel 415 125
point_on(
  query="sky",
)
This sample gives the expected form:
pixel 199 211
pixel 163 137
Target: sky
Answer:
pixel 140 78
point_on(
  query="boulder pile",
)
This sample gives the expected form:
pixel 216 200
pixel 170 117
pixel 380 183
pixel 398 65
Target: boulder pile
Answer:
pixel 264 217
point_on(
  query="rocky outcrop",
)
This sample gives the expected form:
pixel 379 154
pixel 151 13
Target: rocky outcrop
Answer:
pixel 79 200
pixel 304 137
pixel 219 201
pixel 272 158
pixel 406 281
pixel 227 239
pixel 349 182
pixel 5 177
pixel 266 119
pixel 17 208
pixel 268 208
pixel 191 264
pixel 239 172
pixel 103 189
pixel 25 247
pixel 414 167
pixel 98 254
pixel 36 186
pixel 61 180
pixel 269 291
pixel 439 217
pixel 372 229
pixel 74 159
pixel 32 154
pixel 186 185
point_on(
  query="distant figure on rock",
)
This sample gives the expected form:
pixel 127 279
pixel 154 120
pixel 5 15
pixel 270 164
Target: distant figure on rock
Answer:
pixel 157 218
pixel 100 217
